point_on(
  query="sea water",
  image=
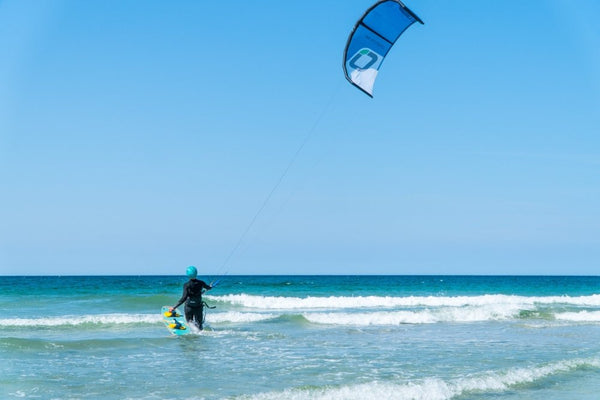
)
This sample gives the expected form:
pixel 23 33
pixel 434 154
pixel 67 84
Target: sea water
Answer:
pixel 303 337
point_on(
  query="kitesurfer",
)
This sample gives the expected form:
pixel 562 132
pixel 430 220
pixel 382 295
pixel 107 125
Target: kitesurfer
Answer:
pixel 192 296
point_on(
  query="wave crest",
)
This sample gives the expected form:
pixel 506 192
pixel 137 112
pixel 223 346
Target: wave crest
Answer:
pixel 339 302
pixel 101 319
pixel 434 388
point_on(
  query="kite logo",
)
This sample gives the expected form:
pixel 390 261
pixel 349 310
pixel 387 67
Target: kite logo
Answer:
pixel 365 59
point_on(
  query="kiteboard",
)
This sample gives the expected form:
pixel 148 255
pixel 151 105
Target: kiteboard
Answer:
pixel 174 321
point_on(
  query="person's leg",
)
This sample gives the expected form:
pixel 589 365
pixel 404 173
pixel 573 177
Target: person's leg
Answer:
pixel 198 317
pixel 189 314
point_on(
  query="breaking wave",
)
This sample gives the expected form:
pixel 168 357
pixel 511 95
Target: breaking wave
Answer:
pixel 125 319
pixel 434 388
pixel 581 316
pixel 387 310
pixel 238 317
pixel 340 302
pixel 101 319
pixel 472 314
pixel 355 311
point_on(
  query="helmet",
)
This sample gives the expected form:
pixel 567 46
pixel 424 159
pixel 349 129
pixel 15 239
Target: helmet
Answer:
pixel 191 272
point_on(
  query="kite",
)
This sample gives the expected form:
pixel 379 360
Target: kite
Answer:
pixel 372 38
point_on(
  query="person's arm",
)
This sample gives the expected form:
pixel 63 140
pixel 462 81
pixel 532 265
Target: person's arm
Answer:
pixel 183 297
pixel 205 286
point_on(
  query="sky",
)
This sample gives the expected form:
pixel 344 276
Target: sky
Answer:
pixel 139 138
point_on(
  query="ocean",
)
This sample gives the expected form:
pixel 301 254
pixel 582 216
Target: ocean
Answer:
pixel 303 337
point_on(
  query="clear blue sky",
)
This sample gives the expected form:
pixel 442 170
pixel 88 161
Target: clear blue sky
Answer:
pixel 142 137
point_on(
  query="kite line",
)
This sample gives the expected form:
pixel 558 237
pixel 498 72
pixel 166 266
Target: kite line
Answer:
pixel 281 178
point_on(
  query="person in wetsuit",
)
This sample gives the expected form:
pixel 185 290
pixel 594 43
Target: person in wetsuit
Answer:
pixel 192 296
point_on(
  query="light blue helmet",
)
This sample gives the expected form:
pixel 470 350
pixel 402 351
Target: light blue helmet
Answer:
pixel 191 272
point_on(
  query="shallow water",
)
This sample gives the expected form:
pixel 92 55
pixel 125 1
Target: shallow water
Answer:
pixel 303 337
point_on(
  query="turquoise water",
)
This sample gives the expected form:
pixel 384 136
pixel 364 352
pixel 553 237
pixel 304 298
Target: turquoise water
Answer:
pixel 303 337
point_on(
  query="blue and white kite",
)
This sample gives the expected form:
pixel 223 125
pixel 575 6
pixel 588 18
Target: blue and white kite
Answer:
pixel 371 39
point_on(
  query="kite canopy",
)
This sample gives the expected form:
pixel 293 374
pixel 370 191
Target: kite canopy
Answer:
pixel 371 39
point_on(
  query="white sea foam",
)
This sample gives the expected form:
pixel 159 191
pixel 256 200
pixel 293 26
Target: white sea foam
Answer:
pixel 434 388
pixel 237 317
pixel 116 319
pixel 83 319
pixel 581 316
pixel 340 302
pixel 445 314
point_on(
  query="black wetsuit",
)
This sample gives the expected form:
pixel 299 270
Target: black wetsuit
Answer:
pixel 192 295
